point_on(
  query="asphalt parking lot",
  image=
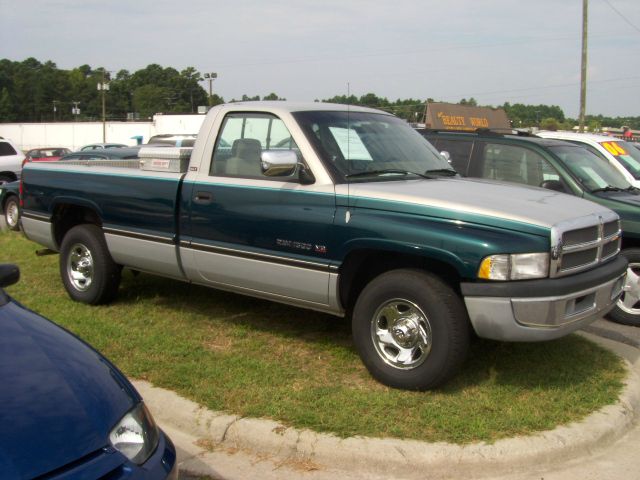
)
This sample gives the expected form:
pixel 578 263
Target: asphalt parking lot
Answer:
pixel 614 331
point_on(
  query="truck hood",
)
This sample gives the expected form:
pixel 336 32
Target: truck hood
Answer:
pixel 59 398
pixel 448 197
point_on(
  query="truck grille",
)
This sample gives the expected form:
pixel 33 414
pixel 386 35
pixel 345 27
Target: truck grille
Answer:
pixel 582 244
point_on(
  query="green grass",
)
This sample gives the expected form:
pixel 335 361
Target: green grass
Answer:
pixel 261 359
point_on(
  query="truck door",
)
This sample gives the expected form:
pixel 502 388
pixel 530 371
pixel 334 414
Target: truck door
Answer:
pixel 266 236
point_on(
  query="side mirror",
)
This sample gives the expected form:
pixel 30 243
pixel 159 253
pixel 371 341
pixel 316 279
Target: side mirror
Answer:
pixel 9 274
pixel 554 185
pixel 282 163
pixel 278 163
pixel 446 155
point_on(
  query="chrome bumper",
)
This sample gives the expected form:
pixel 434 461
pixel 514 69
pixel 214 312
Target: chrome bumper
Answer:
pixel 534 319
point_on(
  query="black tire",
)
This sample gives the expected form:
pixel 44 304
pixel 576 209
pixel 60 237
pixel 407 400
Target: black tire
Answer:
pixel 88 272
pixel 420 302
pixel 12 213
pixel 627 309
pixel 6 179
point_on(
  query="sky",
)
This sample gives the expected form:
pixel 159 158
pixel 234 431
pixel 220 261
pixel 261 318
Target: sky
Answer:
pixel 495 51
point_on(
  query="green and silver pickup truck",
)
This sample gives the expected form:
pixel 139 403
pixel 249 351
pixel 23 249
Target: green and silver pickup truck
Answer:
pixel 340 209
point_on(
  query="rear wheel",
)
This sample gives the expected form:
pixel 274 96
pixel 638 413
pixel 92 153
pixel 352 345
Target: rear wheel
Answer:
pixel 5 179
pixel 88 272
pixel 410 329
pixel 12 213
pixel 627 309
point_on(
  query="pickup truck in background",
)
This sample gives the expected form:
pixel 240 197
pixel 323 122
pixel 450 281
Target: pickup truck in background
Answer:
pixel 340 209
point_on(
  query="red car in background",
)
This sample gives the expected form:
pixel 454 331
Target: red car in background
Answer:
pixel 46 154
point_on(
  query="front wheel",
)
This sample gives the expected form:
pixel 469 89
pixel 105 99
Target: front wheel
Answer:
pixel 410 329
pixel 627 309
pixel 88 272
pixel 12 213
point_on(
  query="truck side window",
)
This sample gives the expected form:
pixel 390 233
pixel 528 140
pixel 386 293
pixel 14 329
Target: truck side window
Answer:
pixel 460 151
pixel 510 163
pixel 242 139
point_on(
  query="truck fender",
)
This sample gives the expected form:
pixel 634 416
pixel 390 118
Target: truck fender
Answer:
pixel 78 202
pixel 425 251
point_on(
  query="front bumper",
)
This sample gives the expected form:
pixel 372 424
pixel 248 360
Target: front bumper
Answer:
pixel 537 310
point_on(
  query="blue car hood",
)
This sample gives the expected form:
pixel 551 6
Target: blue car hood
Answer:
pixel 59 398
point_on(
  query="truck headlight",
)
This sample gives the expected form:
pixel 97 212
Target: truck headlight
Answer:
pixel 519 266
pixel 136 435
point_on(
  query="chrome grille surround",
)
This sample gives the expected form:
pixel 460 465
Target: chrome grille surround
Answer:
pixel 583 243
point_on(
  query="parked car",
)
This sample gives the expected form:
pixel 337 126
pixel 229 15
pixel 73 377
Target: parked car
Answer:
pixel 10 204
pixel 107 154
pixel 46 154
pixel 65 410
pixel 560 166
pixel 622 155
pixel 11 159
pixel 102 146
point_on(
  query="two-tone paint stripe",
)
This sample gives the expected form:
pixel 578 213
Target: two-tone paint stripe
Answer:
pixel 232 252
pixel 278 260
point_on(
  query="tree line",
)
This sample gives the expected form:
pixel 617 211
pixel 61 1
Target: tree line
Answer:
pixel 31 91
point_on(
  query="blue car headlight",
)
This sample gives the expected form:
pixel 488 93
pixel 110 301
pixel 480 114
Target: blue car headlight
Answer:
pixel 136 435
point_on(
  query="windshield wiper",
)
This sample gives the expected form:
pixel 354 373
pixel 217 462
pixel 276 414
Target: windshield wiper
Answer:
pixel 610 188
pixel 385 172
pixel 445 171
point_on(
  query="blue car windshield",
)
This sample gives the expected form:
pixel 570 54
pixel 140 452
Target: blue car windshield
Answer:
pixel 357 146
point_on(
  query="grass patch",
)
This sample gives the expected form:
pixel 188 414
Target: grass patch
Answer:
pixel 256 358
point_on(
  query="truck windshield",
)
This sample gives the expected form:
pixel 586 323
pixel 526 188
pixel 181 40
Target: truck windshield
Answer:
pixel 594 173
pixel 358 146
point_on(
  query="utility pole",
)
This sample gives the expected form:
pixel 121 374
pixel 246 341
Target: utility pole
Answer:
pixel 583 70
pixel 55 108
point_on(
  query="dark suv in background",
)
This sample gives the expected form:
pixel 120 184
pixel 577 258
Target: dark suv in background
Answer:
pixel 555 165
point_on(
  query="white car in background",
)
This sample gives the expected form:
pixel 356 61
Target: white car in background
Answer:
pixel 11 158
pixel 620 154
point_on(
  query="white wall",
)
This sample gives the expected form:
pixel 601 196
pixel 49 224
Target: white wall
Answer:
pixel 74 135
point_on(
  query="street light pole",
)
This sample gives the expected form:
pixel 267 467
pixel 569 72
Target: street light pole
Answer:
pixel 75 111
pixel 210 76
pixel 104 87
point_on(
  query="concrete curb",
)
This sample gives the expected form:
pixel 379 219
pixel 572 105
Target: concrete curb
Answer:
pixel 405 457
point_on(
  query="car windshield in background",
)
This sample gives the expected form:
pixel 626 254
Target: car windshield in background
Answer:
pixel 594 173
pixel 360 146
pixel 627 155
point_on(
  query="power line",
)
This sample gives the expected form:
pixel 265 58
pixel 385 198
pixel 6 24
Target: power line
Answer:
pixel 621 15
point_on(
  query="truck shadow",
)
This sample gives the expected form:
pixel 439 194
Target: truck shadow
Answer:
pixel 563 363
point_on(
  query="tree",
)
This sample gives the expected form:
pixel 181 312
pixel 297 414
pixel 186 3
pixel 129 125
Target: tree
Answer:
pixel 150 99
pixel 549 124
pixel 6 106
pixel 273 97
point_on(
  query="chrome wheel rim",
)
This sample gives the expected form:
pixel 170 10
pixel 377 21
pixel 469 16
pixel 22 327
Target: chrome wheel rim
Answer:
pixel 401 334
pixel 13 214
pixel 629 301
pixel 80 267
